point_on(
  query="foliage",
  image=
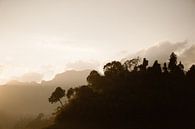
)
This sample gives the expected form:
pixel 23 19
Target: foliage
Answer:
pixel 57 95
pixel 145 97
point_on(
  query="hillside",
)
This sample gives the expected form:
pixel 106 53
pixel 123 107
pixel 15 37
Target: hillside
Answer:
pixel 143 97
pixel 32 98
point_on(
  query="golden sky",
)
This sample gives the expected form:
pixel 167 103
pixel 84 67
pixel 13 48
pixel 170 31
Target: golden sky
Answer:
pixel 49 36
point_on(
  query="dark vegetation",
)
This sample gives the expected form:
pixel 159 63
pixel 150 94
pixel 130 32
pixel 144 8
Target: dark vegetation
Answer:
pixel 57 95
pixel 132 95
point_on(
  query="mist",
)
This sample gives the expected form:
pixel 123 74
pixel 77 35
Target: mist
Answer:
pixel 74 64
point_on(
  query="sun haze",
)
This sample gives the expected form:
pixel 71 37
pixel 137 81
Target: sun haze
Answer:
pixel 46 37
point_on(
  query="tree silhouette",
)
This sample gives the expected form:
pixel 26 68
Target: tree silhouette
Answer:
pixel 165 69
pixel 113 69
pixel 131 64
pixel 132 96
pixel 93 77
pixel 57 95
pixel 156 68
pixel 70 93
pixel 172 62
pixel 143 65
pixel 191 73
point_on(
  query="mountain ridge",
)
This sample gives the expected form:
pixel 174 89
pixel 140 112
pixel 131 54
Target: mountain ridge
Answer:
pixel 30 98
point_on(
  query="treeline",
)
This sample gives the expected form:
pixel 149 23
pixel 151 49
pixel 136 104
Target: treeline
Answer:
pixel 131 95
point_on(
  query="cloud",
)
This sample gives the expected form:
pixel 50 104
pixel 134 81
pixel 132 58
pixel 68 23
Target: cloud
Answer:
pixel 30 77
pixel 188 56
pixel 82 65
pixel 162 51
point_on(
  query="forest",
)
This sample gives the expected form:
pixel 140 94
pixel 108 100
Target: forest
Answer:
pixel 130 95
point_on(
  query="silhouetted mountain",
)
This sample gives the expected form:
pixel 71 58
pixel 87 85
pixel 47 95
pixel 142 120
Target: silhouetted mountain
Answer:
pixel 68 79
pixel 18 83
pixel 21 99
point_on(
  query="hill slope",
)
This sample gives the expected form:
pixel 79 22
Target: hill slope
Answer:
pixel 32 98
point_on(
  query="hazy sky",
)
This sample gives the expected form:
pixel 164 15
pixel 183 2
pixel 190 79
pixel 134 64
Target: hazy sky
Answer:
pixel 49 36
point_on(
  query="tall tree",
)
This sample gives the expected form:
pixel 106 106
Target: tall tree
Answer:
pixel 143 65
pixel 131 64
pixel 93 77
pixel 172 62
pixel 57 95
pixel 165 69
pixel 156 68
pixel 70 93
pixel 191 73
pixel 113 69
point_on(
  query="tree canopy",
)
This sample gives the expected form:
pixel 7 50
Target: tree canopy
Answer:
pixel 132 95
pixel 57 95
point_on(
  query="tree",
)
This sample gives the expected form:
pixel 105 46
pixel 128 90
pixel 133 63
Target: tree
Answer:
pixel 143 98
pixel 131 64
pixel 143 65
pixel 156 68
pixel 172 62
pixel 93 77
pixel 165 69
pixel 70 93
pixel 57 95
pixel 181 66
pixel 113 68
pixel 84 92
pixel 180 69
pixel 191 73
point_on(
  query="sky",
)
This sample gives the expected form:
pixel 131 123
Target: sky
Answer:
pixel 39 38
